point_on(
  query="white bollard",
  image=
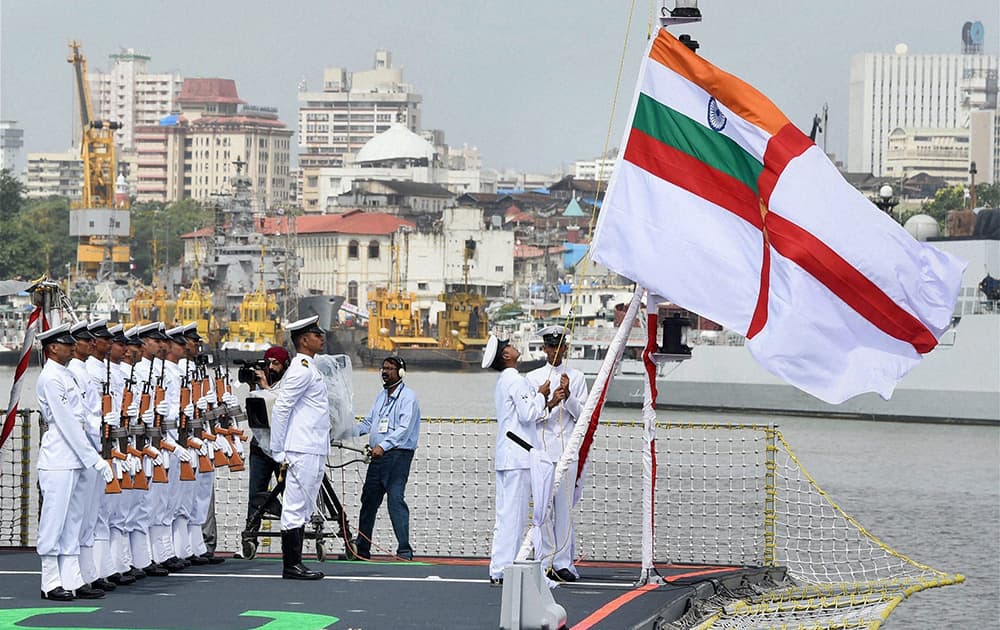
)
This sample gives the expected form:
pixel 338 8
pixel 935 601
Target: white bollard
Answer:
pixel 527 603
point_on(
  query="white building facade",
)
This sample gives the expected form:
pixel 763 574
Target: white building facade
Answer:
pixel 128 94
pixel 351 109
pixel 11 141
pixel 59 174
pixel 929 91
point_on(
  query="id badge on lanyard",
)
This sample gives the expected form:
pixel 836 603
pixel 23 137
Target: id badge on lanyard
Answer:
pixel 383 424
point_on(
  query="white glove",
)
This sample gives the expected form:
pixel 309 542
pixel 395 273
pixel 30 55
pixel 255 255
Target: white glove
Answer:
pixel 119 469
pixel 182 454
pixel 278 457
pixel 104 468
pixel 230 400
pixel 222 444
pixel 148 417
pixel 162 408
pixel 133 411
pixel 113 419
pixel 238 444
pixel 189 411
pixel 163 459
pixel 203 403
pixel 132 464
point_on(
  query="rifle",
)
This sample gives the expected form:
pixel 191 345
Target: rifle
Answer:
pixel 108 451
pixel 153 434
pixel 184 431
pixel 198 389
pixel 139 481
pixel 228 423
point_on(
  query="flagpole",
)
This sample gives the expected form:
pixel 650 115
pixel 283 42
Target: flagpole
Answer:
pixel 583 432
pixel 649 394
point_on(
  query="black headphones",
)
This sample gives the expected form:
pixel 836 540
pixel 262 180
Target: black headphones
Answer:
pixel 400 365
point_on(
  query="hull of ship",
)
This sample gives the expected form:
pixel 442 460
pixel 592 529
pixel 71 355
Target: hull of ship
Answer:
pixel 957 382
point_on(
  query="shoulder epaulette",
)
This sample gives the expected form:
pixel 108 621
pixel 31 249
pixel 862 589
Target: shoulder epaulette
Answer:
pixel 305 363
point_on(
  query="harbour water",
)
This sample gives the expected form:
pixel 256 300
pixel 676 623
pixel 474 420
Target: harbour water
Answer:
pixel 930 491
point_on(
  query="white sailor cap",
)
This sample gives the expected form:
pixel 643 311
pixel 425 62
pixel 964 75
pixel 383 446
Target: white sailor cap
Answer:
pixel 152 330
pixel 132 336
pixel 117 334
pixel 302 326
pixel 80 332
pixel 99 329
pixel 554 335
pixel 191 331
pixel 58 334
pixel 176 335
pixel 493 353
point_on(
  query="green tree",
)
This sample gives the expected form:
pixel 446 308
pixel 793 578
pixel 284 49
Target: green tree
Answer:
pixel 988 195
pixel 160 226
pixel 945 200
pixel 11 195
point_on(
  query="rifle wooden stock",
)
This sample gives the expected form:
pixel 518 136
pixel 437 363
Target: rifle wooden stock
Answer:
pixel 108 452
pixel 204 463
pixel 159 473
pixel 139 480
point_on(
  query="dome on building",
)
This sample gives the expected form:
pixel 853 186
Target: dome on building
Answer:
pixel 396 143
pixel 922 227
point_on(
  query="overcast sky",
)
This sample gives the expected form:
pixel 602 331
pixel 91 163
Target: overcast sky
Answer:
pixel 528 82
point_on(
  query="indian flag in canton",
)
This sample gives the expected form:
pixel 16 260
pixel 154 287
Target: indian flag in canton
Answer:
pixel 720 205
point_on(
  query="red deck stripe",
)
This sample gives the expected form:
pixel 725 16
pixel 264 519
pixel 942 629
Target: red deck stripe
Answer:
pixel 612 606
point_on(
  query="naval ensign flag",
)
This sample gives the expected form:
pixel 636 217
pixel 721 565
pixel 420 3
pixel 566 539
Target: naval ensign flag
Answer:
pixel 719 204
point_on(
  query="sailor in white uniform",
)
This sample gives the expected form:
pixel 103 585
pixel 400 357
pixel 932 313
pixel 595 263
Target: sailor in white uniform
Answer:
pixel 300 442
pixel 569 394
pixel 65 453
pixel 91 482
pixel 520 408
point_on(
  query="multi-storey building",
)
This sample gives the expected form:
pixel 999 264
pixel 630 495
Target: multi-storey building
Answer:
pixel 930 91
pixel 940 153
pixel 128 94
pixel 11 141
pixel 350 110
pixel 194 154
pixel 59 174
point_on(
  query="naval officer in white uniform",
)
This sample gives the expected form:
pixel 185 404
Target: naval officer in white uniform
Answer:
pixel 569 395
pixel 300 442
pixel 520 407
pixel 64 456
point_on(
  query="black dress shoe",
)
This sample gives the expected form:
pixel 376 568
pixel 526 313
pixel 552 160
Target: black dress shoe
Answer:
pixel 136 573
pixel 300 572
pixel 58 594
pixel 174 565
pixel 212 558
pixel 124 579
pixel 105 585
pixel 197 560
pixel 156 570
pixel 87 592
pixel 565 575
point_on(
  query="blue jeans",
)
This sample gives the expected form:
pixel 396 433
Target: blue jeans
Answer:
pixel 387 475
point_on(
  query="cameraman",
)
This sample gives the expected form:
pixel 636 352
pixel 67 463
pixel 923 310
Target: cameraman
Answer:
pixel 269 372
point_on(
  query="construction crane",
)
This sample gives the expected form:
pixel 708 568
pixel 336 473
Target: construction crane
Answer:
pixel 101 219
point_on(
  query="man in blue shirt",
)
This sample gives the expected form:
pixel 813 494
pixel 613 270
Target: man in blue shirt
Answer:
pixel 392 426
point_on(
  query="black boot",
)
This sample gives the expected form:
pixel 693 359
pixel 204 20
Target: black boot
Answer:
pixel 58 594
pixel 291 555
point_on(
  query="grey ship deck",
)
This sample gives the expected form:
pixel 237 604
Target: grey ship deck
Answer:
pixel 428 593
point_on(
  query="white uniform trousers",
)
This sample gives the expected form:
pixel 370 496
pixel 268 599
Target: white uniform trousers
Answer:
pixel 92 487
pixel 513 490
pixel 59 528
pixel 302 481
pixel 162 513
pixel 556 546
pixel 199 511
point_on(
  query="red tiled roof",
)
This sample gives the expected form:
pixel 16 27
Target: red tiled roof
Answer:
pixel 209 91
pixel 351 222
pixel 530 251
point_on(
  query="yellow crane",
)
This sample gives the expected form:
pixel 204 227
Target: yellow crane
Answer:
pixel 101 218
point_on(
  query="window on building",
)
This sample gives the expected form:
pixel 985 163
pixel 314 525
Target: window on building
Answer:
pixel 352 292
pixel 422 286
pixel 373 249
pixel 498 269
pixel 352 249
